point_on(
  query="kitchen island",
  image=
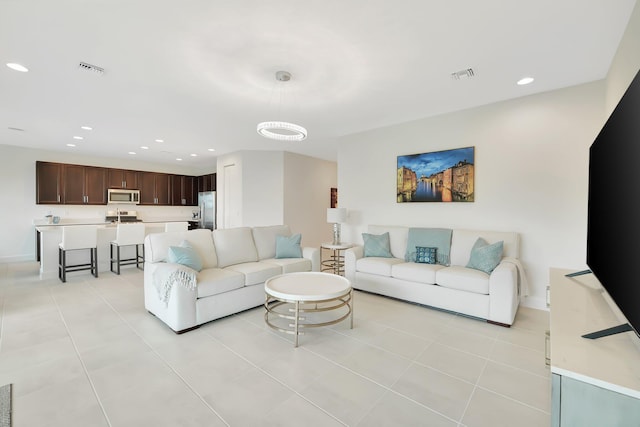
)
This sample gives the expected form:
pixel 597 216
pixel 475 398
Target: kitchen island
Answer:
pixel 49 236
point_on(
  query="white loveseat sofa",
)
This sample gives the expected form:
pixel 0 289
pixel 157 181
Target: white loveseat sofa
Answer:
pixel 494 297
pixel 236 262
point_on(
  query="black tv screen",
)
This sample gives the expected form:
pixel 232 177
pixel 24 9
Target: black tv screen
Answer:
pixel 613 230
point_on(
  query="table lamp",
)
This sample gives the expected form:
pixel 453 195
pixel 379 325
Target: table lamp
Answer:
pixel 336 216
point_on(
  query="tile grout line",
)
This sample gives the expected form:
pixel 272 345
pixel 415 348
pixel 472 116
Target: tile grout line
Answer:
pixel 154 351
pixel 514 400
pixel 337 364
pixel 475 385
pixel 486 361
pixel 271 375
pixel 84 367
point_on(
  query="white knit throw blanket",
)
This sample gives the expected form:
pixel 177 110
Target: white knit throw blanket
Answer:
pixel 523 284
pixel 167 275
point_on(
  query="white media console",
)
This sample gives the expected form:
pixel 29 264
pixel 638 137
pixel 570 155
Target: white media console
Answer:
pixel 594 382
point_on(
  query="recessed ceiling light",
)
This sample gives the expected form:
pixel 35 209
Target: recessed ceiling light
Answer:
pixel 71 145
pixel 78 137
pixel 17 67
pixel 144 147
pixel 132 152
pixel 193 155
pixel 159 140
pixel 211 149
pixel 86 127
pixel 525 81
pixel 179 159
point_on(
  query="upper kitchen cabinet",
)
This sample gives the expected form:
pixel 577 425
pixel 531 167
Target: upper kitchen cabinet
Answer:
pixel 207 182
pixel 48 183
pixel 84 185
pixel 122 178
pixel 155 188
pixel 184 191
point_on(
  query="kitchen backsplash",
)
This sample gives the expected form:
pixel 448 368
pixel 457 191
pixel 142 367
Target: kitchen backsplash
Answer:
pixel 145 213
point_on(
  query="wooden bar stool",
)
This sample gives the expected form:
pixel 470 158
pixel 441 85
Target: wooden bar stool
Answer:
pixel 74 238
pixel 128 235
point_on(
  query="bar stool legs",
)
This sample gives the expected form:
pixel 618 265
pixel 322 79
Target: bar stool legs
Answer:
pixel 127 235
pixel 75 238
pixel 63 268
pixel 117 261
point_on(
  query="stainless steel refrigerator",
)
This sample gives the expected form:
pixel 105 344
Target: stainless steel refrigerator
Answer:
pixel 207 205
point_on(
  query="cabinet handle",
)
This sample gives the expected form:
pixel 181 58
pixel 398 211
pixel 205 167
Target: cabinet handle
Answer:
pixel 548 296
pixel 547 348
pixel 58 198
pixel 124 184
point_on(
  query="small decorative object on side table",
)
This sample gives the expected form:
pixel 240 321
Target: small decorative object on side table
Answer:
pixel 335 263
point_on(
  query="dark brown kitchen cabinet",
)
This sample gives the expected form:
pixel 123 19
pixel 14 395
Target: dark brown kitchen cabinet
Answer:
pixel 48 183
pixel 184 190
pixel 155 188
pixel 84 185
pixel 207 182
pixel 122 178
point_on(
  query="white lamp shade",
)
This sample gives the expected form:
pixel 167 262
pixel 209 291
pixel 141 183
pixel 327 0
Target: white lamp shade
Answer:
pixel 336 215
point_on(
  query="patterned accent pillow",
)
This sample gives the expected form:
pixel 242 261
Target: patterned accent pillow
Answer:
pixel 485 257
pixel 426 255
pixel 377 245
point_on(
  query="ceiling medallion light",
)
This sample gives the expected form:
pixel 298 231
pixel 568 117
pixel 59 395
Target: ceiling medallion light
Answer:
pixel 278 130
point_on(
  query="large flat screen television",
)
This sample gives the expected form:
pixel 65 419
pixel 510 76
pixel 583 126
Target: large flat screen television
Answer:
pixel 613 230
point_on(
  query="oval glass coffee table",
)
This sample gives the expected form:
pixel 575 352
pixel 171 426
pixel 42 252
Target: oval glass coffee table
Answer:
pixel 297 297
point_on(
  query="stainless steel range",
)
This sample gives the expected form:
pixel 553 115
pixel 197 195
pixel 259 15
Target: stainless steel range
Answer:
pixel 122 216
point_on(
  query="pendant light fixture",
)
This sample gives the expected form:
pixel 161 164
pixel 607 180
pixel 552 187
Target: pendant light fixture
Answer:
pixel 282 131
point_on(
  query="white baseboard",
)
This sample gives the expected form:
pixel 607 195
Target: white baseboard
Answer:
pixel 16 258
pixel 535 302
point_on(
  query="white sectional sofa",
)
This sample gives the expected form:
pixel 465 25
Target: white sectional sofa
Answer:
pixel 494 297
pixel 235 264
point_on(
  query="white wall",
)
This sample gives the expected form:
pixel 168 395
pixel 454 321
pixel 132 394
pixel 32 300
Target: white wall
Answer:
pixel 626 62
pixel 307 195
pixel 19 208
pixel 263 182
pixel 531 175
pixel 253 196
pixel 281 188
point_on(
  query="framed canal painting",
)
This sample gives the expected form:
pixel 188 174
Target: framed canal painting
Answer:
pixel 439 176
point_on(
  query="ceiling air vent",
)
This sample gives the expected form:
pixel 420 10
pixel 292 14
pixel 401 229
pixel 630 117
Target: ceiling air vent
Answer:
pixel 463 74
pixel 93 68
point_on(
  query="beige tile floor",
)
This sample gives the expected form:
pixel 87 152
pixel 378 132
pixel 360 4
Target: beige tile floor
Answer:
pixel 86 353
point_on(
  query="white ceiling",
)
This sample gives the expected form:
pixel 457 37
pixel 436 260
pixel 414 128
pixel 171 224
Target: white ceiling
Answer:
pixel 200 74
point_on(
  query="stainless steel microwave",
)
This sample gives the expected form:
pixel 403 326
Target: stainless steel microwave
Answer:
pixel 117 195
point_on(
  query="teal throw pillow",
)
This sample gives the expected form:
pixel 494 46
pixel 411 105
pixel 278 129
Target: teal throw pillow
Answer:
pixel 288 247
pixel 429 238
pixel 485 257
pixel 185 255
pixel 425 255
pixel 377 245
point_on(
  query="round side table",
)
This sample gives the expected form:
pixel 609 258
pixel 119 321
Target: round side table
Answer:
pixel 335 262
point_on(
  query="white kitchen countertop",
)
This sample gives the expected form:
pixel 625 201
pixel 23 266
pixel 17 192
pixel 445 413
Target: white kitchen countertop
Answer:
pixel 100 221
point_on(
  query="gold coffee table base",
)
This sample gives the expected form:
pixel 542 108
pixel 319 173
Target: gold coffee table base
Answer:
pixel 299 308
